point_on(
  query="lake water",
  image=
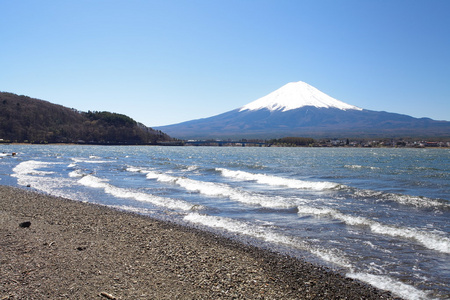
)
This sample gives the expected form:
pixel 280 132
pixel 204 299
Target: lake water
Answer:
pixel 379 215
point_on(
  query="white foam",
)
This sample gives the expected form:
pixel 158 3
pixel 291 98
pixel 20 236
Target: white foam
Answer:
pixel 95 182
pixel 94 160
pixel 76 173
pixel 360 167
pixel 191 168
pixel 133 169
pixel 30 168
pixel 28 175
pixel 53 186
pixel 221 190
pixel 330 255
pixel 262 233
pixel 417 201
pixel 353 166
pixel 138 210
pixel 431 240
pixel 239 227
pixel 279 181
pixel 396 287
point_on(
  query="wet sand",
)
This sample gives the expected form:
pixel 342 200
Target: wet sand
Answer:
pixel 78 250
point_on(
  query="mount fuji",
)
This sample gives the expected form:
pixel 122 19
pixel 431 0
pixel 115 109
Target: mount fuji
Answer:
pixel 299 109
pixel 296 95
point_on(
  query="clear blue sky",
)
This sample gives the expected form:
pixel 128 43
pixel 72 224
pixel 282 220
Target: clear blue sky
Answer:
pixel 164 62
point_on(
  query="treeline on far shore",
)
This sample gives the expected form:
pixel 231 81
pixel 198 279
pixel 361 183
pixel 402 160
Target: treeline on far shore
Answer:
pixel 400 142
pixel 310 142
pixel 294 142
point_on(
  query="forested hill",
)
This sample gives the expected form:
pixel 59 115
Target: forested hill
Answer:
pixel 29 120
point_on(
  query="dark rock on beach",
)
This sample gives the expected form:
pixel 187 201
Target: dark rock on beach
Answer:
pixel 83 251
pixel 25 224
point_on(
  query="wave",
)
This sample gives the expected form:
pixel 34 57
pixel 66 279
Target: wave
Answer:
pixel 218 190
pixel 31 167
pixel 95 182
pixel 262 233
pixel 94 160
pixel 76 173
pixel 430 240
pixel 239 227
pixel 134 169
pixel 191 168
pixel 387 283
pixel 416 201
pixel 27 174
pixel 133 209
pixel 280 181
pixel 361 167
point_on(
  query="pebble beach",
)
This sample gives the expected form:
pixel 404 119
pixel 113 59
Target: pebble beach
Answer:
pixel 55 248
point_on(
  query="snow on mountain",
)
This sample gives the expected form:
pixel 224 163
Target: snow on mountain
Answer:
pixel 296 95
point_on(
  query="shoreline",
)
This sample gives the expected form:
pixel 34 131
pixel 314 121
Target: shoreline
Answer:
pixel 81 250
pixel 224 144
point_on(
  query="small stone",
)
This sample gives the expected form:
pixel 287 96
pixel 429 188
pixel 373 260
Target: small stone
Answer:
pixel 25 224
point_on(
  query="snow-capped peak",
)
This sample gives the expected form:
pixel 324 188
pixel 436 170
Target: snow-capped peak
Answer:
pixel 295 95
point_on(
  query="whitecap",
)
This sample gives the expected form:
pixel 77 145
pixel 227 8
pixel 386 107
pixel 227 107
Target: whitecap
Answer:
pixel 191 168
pixel 431 240
pixel 264 234
pixel 95 182
pixel 417 201
pixel 76 173
pixel 239 227
pixel 221 190
pixel 279 181
pixel 31 167
pixel 387 283
pixel 361 167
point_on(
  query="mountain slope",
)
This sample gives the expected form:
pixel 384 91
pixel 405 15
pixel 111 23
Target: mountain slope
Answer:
pixel 25 119
pixel 298 109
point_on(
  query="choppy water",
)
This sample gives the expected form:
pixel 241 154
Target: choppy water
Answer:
pixel 378 215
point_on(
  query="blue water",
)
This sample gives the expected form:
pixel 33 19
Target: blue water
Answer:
pixel 378 215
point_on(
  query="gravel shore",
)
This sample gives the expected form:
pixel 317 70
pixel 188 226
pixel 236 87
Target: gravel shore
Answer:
pixel 78 250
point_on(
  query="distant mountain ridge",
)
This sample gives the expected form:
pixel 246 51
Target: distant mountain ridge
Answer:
pixel 298 109
pixel 25 119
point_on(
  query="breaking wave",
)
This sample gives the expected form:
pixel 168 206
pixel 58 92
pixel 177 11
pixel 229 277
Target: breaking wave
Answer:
pixel 31 167
pixel 95 182
pixel 218 190
pixel 29 173
pixel 361 167
pixel 416 201
pixel 279 181
pixel 262 233
pixel 396 287
pixel 430 240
